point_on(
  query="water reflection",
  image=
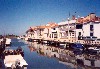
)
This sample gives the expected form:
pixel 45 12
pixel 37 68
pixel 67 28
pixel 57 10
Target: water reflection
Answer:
pixel 34 60
pixel 68 57
pixel 17 43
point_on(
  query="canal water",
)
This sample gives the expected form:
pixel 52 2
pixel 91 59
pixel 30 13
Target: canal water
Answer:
pixel 34 60
pixel 48 57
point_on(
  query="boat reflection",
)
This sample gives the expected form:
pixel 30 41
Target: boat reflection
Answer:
pixel 68 57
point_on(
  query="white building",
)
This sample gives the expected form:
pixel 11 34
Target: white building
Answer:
pixel 67 29
pixel 43 32
pixel 31 33
pixel 54 32
pixel 90 26
pixel 72 29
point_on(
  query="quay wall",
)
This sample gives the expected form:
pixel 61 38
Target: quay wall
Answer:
pixel 84 42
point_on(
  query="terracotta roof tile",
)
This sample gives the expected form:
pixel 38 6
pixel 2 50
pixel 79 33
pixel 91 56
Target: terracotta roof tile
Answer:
pixel 89 18
pixel 49 25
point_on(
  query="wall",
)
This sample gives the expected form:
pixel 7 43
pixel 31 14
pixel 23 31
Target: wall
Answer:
pixel 97 30
pixel 86 30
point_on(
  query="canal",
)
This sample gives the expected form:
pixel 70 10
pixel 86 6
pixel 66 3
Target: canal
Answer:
pixel 49 57
pixel 34 60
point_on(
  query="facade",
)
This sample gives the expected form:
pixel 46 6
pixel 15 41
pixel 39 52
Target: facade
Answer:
pixel 54 32
pixel 29 33
pixel 70 29
pixel 91 29
pixel 42 32
pixel 67 29
pixel 90 25
pixel 32 33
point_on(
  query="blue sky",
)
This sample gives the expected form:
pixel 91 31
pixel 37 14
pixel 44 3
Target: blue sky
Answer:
pixel 16 16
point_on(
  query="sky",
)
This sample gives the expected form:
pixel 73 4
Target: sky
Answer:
pixel 16 16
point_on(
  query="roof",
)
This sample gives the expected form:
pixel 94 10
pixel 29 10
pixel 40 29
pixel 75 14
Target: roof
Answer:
pixel 41 27
pixel 90 18
pixel 33 28
pixel 66 22
pixel 53 25
pixel 49 25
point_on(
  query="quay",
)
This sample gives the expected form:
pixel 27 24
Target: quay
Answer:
pixel 65 42
pixel 86 48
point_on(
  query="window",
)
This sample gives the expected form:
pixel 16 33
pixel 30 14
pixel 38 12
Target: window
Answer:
pixel 94 37
pixel 54 29
pixel 91 34
pixel 79 33
pixel 91 27
pixel 55 35
pixel 52 35
pixel 72 33
pixel 79 26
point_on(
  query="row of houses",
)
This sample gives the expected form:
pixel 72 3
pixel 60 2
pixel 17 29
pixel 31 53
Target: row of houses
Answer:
pixel 74 28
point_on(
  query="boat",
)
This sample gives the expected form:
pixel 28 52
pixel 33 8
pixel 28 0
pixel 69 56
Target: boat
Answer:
pixel 15 62
pixel 14 59
pixel 18 38
pixel 26 38
pixel 76 46
pixel 93 50
pixel 8 42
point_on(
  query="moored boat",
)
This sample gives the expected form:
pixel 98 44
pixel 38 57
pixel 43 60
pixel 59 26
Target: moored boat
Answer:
pixel 15 62
pixel 8 42
pixel 18 38
pixel 26 38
